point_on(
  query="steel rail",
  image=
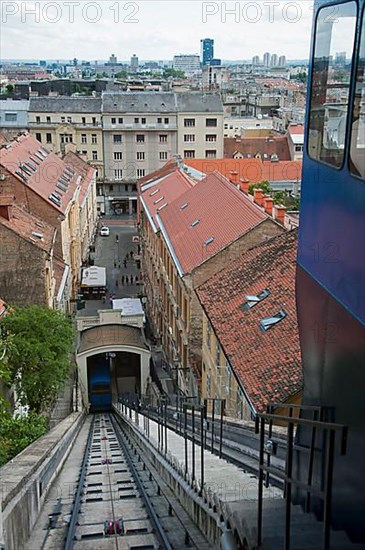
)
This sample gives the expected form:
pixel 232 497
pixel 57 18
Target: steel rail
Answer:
pixel 76 507
pixel 159 531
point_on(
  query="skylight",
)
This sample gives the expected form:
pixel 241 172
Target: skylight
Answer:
pixel 208 241
pixel 159 200
pixel 184 205
pixel 251 301
pixel 269 322
pixel 154 192
pixel 161 207
pixel 195 222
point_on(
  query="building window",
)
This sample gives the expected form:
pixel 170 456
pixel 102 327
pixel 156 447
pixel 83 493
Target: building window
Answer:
pixel 38 137
pixel 94 138
pixel 66 138
pixel 49 138
pixel 11 117
pixel 298 148
pixel 69 119
pixel 217 354
pixel 143 120
pixel 208 385
pixel 83 120
pixel 163 139
pixel 189 122
pixel 211 122
pixel 95 155
pixel 211 137
pixel 117 138
pixel 63 119
pixel 83 138
pixel 48 120
pixel 331 83
pixel 38 119
pixel 163 155
pixel 140 155
pixel 140 138
pixel 114 120
pixel 189 137
pixel 211 154
pixel 94 121
pixel 140 172
pixel 159 120
pixel 84 153
pixel 118 155
pixel 120 120
pixel 189 154
pixel 118 174
pixel 136 120
pixel 166 120
pixel 126 187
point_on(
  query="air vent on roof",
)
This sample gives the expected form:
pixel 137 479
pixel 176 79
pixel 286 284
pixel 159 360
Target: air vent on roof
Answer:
pixel 268 322
pixel 42 153
pixel 183 206
pixel 251 301
pixel 26 170
pixel 159 200
pixel 55 200
pixel 154 192
pixel 208 241
pixel 45 150
pixel 39 224
pixel 161 207
pixel 36 234
pixel 195 222
pixel 34 160
pixel 31 166
pixel 39 156
pixel 61 187
pixel 24 178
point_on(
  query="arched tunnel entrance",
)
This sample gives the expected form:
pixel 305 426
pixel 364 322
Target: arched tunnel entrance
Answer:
pixel 112 360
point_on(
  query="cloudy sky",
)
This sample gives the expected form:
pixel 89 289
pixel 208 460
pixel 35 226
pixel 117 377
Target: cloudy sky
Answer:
pixel 153 29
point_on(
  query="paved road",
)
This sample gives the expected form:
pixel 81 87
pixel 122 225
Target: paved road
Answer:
pixel 111 253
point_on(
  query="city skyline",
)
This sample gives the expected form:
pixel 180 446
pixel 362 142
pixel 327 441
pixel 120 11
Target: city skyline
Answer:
pixel 91 30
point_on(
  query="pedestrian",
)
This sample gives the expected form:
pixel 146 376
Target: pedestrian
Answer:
pixel 115 264
pixel 123 280
pixel 126 280
pixel 125 263
pixel 119 264
pixel 131 254
pixel 136 279
pixel 127 256
pixel 116 283
pixel 116 238
pixel 131 279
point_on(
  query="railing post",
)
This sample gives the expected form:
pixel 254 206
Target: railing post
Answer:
pixel 221 428
pixel 289 470
pixel 186 439
pixel 202 416
pixel 261 423
pixel 328 490
pixel 193 442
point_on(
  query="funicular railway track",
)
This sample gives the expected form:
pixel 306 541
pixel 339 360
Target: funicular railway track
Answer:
pixel 120 502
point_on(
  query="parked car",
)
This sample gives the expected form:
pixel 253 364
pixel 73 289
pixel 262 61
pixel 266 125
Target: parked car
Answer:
pixel 104 231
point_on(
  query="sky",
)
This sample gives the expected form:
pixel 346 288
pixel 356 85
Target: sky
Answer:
pixel 153 29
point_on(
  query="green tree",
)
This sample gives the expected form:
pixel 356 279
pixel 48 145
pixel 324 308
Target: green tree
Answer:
pixel 9 89
pixel 76 88
pixel 174 73
pixel 121 74
pixel 18 432
pixel 39 357
pixel 264 185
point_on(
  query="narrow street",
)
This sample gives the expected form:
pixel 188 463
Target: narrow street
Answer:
pixel 123 277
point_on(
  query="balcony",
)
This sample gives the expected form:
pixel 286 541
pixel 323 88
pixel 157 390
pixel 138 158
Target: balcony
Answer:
pixel 145 127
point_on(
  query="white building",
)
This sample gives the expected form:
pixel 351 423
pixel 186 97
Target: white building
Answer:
pixel 189 64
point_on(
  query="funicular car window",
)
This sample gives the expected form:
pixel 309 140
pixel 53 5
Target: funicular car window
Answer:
pixel 333 50
pixel 357 145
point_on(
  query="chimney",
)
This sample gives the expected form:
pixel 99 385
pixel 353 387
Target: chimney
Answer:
pixel 244 183
pixel 279 213
pixel 258 196
pixel 268 204
pixel 233 176
pixel 6 211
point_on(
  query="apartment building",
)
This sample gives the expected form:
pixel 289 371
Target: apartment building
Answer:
pixel 255 298
pixel 65 124
pixel 13 116
pixel 183 246
pixel 61 194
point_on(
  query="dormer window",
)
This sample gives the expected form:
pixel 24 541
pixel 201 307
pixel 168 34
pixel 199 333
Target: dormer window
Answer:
pixel 251 301
pixel 269 322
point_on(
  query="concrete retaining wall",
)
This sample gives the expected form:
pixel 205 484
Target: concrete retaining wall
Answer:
pixel 25 481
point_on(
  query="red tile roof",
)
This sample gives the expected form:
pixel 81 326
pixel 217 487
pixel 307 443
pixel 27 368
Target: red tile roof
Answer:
pixel 169 167
pixel 249 147
pixel 296 129
pixel 48 169
pixel 268 364
pixel 253 170
pixel 163 189
pixel 224 214
pixel 30 228
pixel 83 169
